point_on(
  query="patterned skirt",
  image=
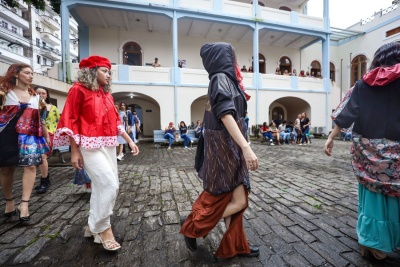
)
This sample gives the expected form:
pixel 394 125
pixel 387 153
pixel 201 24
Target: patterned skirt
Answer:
pixel 31 149
pixel 20 149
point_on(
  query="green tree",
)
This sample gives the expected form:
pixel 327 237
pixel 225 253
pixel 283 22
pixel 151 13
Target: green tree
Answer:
pixel 38 4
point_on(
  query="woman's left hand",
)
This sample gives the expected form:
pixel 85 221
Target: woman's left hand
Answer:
pixel 134 148
pixel 250 157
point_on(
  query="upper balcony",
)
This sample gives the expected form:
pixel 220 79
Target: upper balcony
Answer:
pixel 271 11
pixel 50 22
pixel 50 38
pixel 50 52
pixel 199 78
pixel 13 36
pixel 13 17
pixel 9 55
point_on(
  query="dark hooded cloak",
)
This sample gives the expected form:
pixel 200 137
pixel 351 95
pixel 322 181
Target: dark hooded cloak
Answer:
pixel 224 167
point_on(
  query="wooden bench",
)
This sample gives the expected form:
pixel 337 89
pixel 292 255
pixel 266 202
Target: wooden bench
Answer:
pixel 59 152
pixel 158 136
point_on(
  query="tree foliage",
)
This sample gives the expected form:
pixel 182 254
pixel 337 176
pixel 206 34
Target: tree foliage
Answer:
pixel 38 4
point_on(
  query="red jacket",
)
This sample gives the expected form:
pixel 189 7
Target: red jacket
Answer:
pixel 90 118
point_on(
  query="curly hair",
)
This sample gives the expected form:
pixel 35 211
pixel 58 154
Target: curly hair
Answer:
pixel 88 77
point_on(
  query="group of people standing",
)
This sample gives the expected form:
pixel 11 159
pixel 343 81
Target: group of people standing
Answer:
pixel 131 124
pixel 90 124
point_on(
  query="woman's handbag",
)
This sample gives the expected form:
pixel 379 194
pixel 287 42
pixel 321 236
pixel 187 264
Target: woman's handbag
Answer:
pixel 198 162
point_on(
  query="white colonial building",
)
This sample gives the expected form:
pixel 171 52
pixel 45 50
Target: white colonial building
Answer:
pixel 266 35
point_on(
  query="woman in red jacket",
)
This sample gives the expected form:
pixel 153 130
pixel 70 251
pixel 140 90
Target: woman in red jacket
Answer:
pixel 90 124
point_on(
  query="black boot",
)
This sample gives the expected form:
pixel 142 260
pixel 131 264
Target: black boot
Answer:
pixel 44 185
pixel 41 182
pixel 254 252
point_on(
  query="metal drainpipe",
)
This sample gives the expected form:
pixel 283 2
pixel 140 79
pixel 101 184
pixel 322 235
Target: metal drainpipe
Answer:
pixel 341 79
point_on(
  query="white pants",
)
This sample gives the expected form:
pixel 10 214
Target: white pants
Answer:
pixel 101 166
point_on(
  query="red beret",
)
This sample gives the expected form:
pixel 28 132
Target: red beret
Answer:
pixel 94 62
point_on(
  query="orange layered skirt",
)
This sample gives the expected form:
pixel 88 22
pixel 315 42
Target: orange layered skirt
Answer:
pixel 206 212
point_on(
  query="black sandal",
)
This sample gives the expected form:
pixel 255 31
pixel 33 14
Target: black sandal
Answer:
pixel 26 218
pixel 11 213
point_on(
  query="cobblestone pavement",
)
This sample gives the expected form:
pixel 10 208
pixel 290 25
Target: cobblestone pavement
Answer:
pixel 302 212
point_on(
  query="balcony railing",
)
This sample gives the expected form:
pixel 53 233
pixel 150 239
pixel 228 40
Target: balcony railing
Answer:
pixel 13 16
pixel 50 38
pixel 51 52
pixel 12 36
pixel 199 78
pixel 10 55
pixel 50 22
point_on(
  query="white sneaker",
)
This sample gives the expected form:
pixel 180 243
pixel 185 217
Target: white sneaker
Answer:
pixel 186 147
pixel 271 144
pixel 119 157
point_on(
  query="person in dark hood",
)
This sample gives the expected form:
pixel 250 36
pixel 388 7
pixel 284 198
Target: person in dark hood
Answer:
pixel 227 157
pixel 373 106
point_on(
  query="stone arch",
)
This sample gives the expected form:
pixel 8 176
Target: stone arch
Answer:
pixel 148 109
pixel 291 105
pixel 197 109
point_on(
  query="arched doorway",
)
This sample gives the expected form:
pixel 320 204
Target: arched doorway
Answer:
pixel 261 63
pixel 197 109
pixel 285 8
pixel 285 64
pixel 289 107
pixel 259 3
pixel 132 54
pixel 358 68
pixel 146 107
pixel 315 68
pixel 332 72
pixel 276 111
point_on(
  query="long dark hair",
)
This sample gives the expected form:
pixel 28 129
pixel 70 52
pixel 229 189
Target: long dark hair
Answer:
pixel 9 81
pixel 47 100
pixel 387 55
pixel 181 123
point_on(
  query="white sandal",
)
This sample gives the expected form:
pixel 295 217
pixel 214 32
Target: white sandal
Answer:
pixel 110 245
pixel 87 233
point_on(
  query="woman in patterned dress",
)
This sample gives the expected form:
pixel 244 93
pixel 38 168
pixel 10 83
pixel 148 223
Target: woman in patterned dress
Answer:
pixel 373 106
pixel 23 136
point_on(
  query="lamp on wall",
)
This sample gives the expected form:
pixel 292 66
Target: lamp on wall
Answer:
pixel 131 95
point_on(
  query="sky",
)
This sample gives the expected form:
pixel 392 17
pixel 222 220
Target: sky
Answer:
pixel 344 13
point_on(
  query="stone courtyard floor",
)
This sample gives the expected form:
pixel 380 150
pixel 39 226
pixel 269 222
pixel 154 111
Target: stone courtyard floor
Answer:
pixel 302 212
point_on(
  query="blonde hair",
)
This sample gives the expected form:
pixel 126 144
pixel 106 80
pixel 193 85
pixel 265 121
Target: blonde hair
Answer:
pixel 88 77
